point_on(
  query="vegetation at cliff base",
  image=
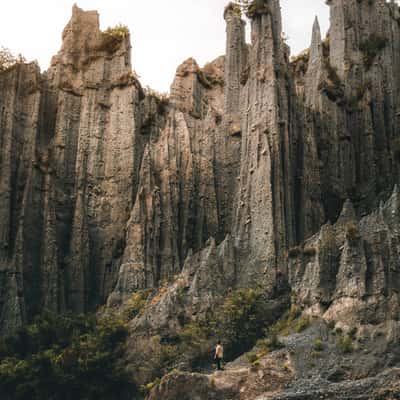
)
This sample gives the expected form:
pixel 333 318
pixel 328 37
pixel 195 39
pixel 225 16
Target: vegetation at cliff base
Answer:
pixel 65 357
pixel 240 321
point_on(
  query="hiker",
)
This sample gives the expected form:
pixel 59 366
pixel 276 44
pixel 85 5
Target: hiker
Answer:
pixel 219 355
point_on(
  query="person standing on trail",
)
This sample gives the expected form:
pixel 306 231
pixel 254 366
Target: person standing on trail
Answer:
pixel 219 355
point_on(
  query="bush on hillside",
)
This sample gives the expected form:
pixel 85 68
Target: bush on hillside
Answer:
pixel 65 357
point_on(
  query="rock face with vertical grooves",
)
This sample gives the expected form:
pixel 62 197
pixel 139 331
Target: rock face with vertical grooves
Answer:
pixel 264 215
pixel 72 151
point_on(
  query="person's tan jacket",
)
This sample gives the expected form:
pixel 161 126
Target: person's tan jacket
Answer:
pixel 219 351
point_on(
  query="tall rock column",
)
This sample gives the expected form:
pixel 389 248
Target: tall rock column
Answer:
pixel 21 179
pixel 235 59
pixel 310 215
pixel 264 221
pixel 96 150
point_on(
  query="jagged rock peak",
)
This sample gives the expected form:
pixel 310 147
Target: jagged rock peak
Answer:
pixel 83 41
pixel 315 49
pixel 348 213
pixel 82 29
pixel 232 10
pixel 189 66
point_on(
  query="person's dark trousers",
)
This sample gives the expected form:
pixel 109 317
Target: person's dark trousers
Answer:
pixel 219 363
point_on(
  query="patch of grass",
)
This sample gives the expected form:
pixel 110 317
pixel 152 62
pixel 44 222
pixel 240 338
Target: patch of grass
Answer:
pixel 352 232
pixel 270 343
pixel 162 100
pixel 302 324
pixel 286 367
pixel 145 389
pixel 257 7
pixel 345 344
pixel 299 63
pixel 315 354
pixel 290 322
pixel 371 47
pixel 235 8
pixel 112 38
pixel 251 8
pixel 318 345
pixel 332 86
pixel 251 357
pixel 326 46
pixel 135 305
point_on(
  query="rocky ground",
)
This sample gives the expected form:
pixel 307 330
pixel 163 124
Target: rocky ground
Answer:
pixel 313 364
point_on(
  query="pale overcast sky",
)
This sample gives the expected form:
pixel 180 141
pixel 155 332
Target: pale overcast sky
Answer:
pixel 164 32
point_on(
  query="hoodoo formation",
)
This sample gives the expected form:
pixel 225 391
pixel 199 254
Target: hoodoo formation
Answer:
pixel 259 172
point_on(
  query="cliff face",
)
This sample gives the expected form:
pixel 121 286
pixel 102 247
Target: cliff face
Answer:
pixel 70 160
pixel 106 190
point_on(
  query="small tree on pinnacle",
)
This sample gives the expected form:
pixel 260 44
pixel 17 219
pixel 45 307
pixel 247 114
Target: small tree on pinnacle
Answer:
pixel 252 8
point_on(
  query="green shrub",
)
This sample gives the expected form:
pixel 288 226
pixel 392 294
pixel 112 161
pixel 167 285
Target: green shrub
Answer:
pixel 353 332
pixel 299 63
pixel 251 8
pixel 145 389
pixel 326 47
pixel 112 38
pixel 239 322
pixel 302 324
pixel 251 357
pixel 345 344
pixel 196 338
pixel 135 305
pixel 287 323
pixel 352 232
pixel 273 343
pixel 243 318
pixel 286 367
pixel 371 47
pixel 63 357
pixel 332 86
pixel 318 345
pixel 235 7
